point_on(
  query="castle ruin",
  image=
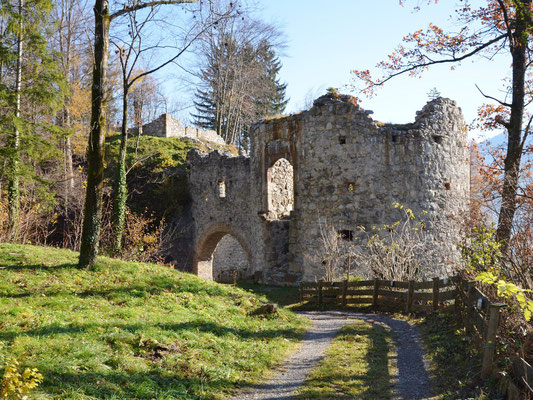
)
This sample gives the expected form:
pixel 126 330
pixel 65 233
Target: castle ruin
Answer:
pixel 331 163
pixel 166 126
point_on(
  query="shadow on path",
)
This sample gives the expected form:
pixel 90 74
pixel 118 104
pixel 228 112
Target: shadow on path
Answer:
pixel 412 382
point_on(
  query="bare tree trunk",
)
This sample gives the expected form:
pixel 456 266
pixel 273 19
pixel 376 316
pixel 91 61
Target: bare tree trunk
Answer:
pixel 121 188
pixel 139 134
pixel 95 152
pixel 514 130
pixel 13 184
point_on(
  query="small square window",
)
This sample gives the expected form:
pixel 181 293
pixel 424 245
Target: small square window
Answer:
pixel 347 235
pixel 438 139
pixel 342 139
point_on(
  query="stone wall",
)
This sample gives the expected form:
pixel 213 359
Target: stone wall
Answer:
pixel 220 189
pixel 203 134
pixel 158 127
pixel 348 170
pixel 166 126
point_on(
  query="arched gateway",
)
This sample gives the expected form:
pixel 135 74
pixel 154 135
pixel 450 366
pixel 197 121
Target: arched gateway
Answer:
pixel 205 249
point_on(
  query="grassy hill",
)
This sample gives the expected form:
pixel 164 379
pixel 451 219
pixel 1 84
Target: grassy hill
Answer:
pixel 132 331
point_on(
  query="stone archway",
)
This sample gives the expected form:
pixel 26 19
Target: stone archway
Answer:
pixel 203 256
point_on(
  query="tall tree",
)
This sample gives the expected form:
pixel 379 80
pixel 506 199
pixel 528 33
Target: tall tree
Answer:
pixel 70 42
pixel 274 100
pixel 31 88
pixel 486 31
pixel 95 152
pixel 238 82
pixel 14 142
pixel 133 49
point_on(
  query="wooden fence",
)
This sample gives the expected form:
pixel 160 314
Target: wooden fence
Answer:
pixel 479 315
pixel 411 296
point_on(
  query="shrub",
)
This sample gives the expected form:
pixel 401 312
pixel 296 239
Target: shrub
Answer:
pixel 16 383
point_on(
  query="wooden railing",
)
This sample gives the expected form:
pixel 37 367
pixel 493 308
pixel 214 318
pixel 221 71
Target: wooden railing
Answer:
pixel 481 318
pixel 478 314
pixel 411 296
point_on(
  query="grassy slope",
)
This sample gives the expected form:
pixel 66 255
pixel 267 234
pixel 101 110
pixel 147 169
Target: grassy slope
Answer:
pixel 129 330
pixel 359 364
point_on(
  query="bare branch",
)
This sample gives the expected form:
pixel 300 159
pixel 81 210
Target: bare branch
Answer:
pixel 442 61
pixel 136 7
pixel 492 98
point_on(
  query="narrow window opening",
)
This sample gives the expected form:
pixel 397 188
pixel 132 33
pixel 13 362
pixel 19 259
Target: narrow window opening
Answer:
pixel 394 138
pixel 342 139
pixel 221 189
pixel 280 189
pixel 347 235
pixel 349 187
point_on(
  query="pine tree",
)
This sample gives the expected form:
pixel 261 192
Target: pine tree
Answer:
pixel 31 91
pixel 238 85
pixel 275 100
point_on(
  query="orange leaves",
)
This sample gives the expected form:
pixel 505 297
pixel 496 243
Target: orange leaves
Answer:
pixel 365 77
pixel 491 116
pixel 482 33
pixel 435 41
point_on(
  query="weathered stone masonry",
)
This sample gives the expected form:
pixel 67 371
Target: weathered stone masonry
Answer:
pixel 166 126
pixel 337 165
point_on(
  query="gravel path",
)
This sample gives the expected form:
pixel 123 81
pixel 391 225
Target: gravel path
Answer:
pixel 413 380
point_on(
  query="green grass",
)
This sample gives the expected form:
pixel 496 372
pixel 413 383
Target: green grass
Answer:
pixel 132 331
pixel 285 296
pixel 359 364
pixel 455 364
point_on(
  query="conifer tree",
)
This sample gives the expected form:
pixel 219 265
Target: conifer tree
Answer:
pixel 275 101
pixel 31 90
pixel 238 80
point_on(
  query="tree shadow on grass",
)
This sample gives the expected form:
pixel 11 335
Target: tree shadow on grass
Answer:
pixel 151 287
pixel 20 265
pixel 282 296
pixel 194 326
pixel 172 372
pixel 343 375
pixel 456 362
pixel 153 384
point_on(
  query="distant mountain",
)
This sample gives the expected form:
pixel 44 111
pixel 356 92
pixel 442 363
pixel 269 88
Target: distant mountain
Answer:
pixel 501 139
pixel 498 140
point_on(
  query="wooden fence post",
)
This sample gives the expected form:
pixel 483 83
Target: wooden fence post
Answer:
pixel 467 321
pixel 320 301
pixel 489 348
pixel 458 291
pixel 344 290
pixel 375 293
pixel 436 282
pixel 410 292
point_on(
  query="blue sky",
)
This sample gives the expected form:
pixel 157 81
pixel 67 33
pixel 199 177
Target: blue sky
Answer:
pixel 327 39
